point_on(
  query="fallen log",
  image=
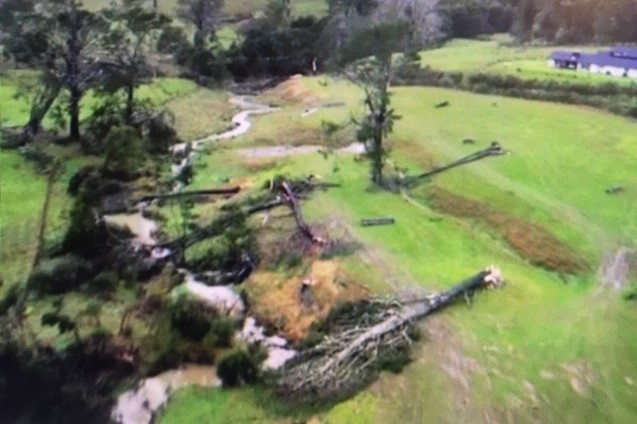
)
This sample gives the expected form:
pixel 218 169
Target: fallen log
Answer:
pixel 290 198
pixel 495 149
pixel 207 192
pixel 290 195
pixel 265 206
pixel 351 355
pixel 369 222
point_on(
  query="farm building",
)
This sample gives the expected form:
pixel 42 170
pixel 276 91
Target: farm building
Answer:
pixel 618 61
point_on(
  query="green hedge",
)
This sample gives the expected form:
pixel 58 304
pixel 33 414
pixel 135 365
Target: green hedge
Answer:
pixel 616 98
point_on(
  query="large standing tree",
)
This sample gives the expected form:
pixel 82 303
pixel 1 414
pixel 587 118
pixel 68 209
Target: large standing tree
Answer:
pixel 203 14
pixel 71 35
pixel 371 51
pixel 131 35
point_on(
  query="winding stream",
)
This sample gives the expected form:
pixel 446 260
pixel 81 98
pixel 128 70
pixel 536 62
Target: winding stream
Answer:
pixel 139 405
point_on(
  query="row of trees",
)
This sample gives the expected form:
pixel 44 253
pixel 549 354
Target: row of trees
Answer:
pixel 77 50
pixel 577 21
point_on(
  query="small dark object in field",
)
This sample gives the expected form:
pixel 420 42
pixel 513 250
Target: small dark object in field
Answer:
pixel 333 104
pixel 442 104
pixel 468 140
pixel 615 190
pixel 368 222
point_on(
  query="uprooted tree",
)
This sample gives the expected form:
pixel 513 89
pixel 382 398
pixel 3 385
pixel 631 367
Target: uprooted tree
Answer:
pixel 364 338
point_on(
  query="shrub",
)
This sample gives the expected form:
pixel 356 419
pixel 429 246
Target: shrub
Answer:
pixel 107 114
pixel 84 235
pixel 105 282
pixel 241 366
pixel 61 274
pixel 223 329
pixel 123 152
pixel 10 298
pixel 192 319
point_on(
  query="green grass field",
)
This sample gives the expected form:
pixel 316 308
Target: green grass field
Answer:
pixel 547 348
pixel 498 55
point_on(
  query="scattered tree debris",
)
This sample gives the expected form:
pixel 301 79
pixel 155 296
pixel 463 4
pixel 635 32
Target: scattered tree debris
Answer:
pixel 369 222
pixel 369 335
pixel 469 140
pixel 442 104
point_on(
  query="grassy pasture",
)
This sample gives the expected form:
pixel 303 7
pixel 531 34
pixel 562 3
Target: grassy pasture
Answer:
pixel 15 111
pixel 497 55
pixel 549 347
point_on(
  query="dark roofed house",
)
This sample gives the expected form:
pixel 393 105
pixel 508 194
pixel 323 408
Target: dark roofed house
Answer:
pixel 619 61
pixel 626 52
pixel 565 60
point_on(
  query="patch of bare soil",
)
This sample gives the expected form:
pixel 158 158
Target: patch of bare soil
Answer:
pixel 580 376
pixel 531 241
pixel 617 267
pixel 293 303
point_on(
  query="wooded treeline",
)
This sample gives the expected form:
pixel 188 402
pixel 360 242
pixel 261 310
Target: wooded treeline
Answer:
pixel 277 43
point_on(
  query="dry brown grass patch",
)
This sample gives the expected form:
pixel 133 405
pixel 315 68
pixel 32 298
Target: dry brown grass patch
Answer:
pixel 531 241
pixel 293 90
pixel 277 298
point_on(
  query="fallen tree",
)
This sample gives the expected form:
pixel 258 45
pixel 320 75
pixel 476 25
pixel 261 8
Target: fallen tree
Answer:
pixel 495 149
pixel 206 192
pixel 291 199
pixel 282 192
pixel 369 336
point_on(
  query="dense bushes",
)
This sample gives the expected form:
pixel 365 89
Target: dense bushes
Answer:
pixel 123 152
pixel 241 366
pixel 61 274
pixel 192 319
pixel 224 251
pixel 195 321
pixel 269 50
pixel 85 235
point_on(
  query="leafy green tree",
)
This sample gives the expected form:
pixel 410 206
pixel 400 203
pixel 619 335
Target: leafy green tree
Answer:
pixel 374 76
pixel 132 34
pixel 71 34
pixel 278 12
pixel 203 14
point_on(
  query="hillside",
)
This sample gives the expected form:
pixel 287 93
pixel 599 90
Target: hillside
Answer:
pixel 549 339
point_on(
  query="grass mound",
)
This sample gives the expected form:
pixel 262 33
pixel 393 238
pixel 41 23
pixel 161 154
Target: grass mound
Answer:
pixel 293 90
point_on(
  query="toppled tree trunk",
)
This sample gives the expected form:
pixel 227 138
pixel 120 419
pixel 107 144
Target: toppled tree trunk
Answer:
pixel 290 195
pixel 278 201
pixel 291 199
pixel 494 150
pixel 367 338
pixel 207 192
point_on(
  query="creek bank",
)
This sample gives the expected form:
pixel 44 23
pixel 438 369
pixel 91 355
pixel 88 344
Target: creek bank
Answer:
pixel 139 405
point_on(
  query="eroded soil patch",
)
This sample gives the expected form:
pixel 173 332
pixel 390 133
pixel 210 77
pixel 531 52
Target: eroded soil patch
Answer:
pixel 530 241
